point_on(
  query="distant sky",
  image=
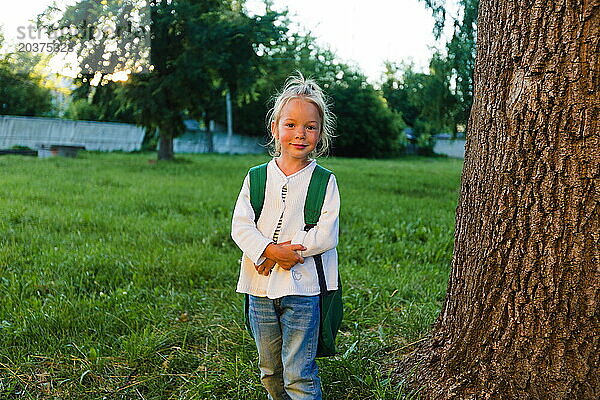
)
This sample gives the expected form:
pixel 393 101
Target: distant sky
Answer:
pixel 361 32
pixel 18 13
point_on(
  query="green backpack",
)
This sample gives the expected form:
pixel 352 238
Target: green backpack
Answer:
pixel 330 300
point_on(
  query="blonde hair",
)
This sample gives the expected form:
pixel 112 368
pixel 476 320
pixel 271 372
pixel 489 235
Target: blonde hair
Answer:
pixel 298 87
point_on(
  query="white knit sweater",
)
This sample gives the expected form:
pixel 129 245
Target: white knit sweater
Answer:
pixel 252 238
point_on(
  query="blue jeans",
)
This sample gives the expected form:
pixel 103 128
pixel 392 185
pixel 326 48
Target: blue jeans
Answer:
pixel 286 331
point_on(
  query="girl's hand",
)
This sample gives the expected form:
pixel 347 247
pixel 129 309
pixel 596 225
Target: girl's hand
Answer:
pixel 265 268
pixel 284 254
pixel 293 247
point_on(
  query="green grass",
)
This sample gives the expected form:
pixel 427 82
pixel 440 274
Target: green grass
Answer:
pixel 101 255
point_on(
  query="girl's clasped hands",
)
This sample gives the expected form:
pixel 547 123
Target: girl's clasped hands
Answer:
pixel 284 254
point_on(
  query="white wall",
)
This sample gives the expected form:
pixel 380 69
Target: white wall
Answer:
pixel 239 144
pixel 103 136
pixel 452 148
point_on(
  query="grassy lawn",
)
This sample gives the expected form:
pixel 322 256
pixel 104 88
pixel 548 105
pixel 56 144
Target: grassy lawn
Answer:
pixel 117 276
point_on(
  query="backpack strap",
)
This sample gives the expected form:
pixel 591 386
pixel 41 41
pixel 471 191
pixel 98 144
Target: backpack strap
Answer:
pixel 330 302
pixel 316 195
pixel 258 183
pixel 312 211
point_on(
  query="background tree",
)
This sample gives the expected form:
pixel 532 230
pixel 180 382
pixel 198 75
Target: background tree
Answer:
pixel 521 315
pixel 199 50
pixel 460 53
pixel 366 126
pixel 425 101
pixel 198 54
pixel 98 102
pixel 461 59
pixel 21 89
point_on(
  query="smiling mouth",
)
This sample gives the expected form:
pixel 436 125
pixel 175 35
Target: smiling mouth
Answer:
pixel 299 145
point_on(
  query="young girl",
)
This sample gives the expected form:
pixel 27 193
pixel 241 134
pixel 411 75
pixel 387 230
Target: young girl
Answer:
pixel 278 270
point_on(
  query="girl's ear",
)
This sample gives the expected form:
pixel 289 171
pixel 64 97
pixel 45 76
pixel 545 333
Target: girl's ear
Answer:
pixel 274 129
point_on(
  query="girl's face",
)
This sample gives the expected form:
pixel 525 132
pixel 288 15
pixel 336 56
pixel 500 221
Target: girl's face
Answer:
pixel 297 130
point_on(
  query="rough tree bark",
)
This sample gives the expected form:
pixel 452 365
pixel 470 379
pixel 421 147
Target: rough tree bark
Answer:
pixel 521 316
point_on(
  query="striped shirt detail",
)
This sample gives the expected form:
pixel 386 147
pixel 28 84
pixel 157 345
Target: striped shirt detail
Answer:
pixel 278 229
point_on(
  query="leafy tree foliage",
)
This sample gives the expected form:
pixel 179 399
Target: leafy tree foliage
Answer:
pixel 461 58
pixel 366 127
pixel 83 110
pixel 98 103
pixel 425 101
pixel 460 51
pixel 20 90
pixel 199 50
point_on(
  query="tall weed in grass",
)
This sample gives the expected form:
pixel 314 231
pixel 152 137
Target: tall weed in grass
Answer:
pixel 117 277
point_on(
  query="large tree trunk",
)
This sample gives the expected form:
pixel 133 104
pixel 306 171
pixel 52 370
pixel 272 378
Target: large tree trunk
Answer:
pixel 521 316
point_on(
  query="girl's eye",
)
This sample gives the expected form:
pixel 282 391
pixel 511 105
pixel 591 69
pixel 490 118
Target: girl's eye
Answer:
pixel 290 125
pixel 312 127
